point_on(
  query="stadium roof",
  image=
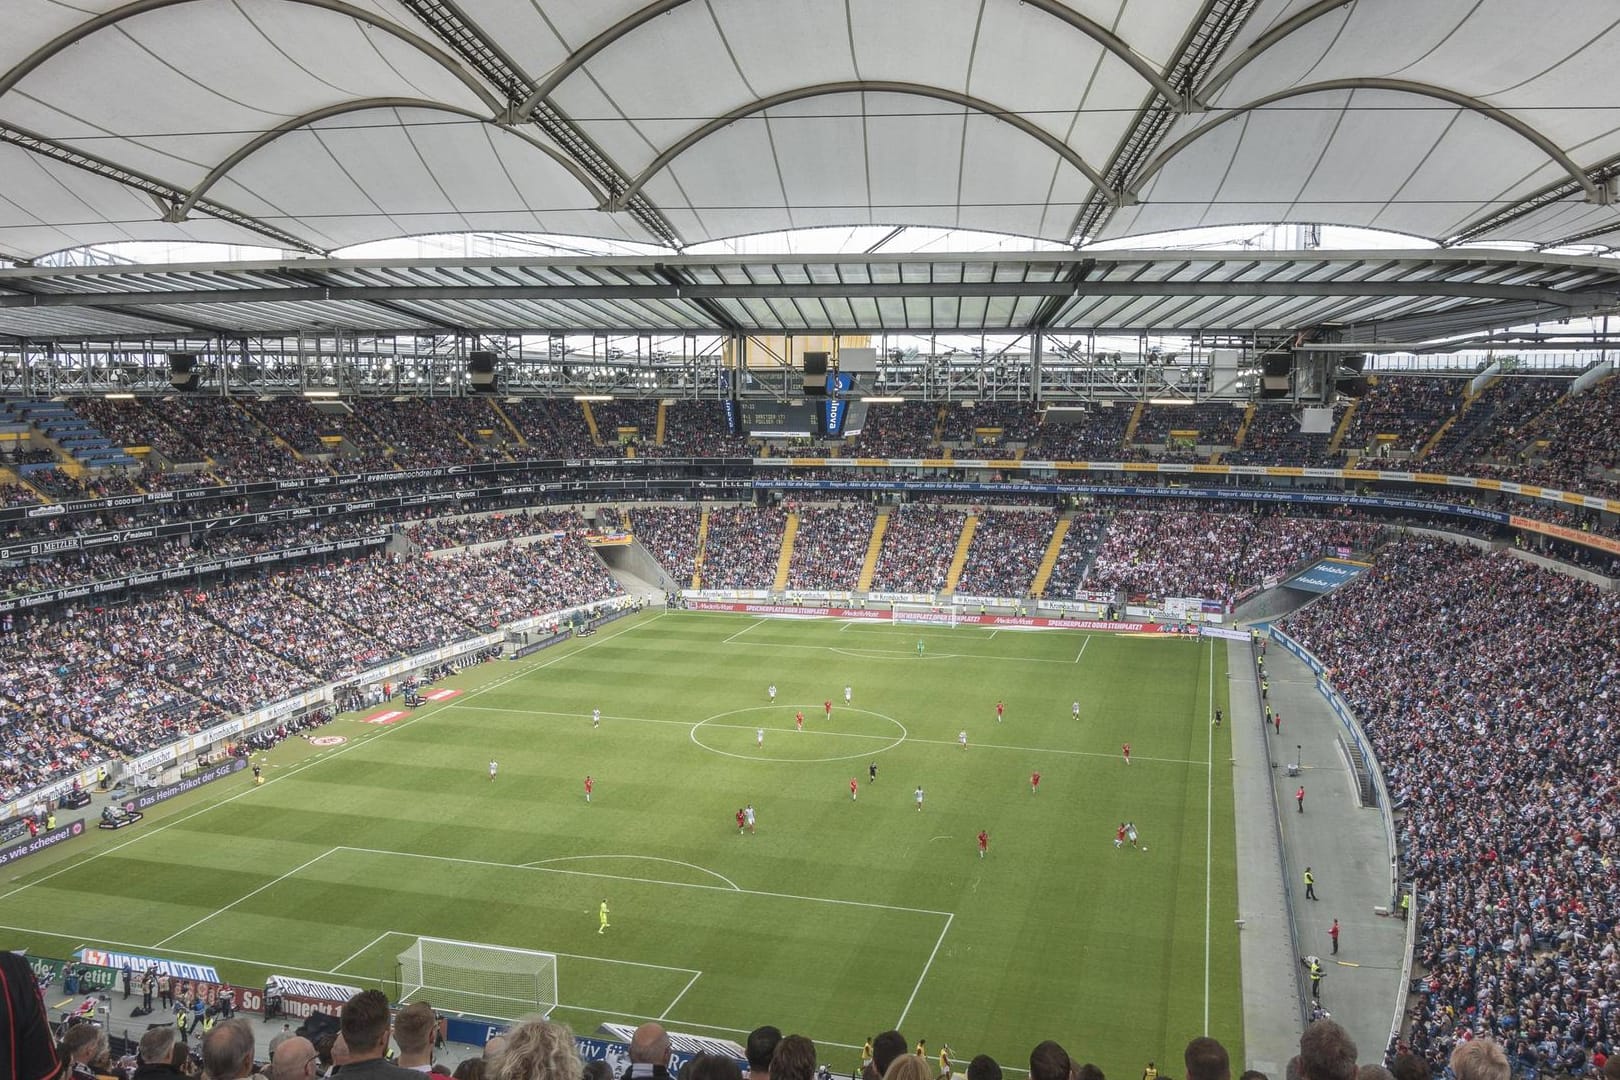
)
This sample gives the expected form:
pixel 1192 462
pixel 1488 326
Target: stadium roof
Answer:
pixel 319 124
pixel 1374 295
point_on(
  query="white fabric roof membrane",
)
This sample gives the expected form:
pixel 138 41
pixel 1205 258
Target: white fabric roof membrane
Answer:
pixel 326 123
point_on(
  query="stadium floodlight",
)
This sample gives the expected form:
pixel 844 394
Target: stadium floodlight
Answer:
pixel 120 397
pixel 593 397
pixel 491 981
pixel 322 393
pixel 884 400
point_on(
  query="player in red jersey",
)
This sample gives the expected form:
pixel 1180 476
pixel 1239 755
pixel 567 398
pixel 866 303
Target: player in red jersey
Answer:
pixel 828 706
pixel 589 786
pixel 1126 750
pixel 1034 781
pixel 1000 708
pixel 798 719
pixel 1119 835
pixel 984 843
pixel 853 788
pixel 740 821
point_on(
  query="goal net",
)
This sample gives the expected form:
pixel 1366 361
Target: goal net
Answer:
pixel 924 614
pixel 491 981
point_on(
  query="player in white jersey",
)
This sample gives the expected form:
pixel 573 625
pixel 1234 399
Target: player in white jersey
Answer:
pixel 961 739
pixel 596 718
pixel 759 737
pixel 918 795
pixel 770 691
pixel 849 692
pixel 1075 710
pixel 492 767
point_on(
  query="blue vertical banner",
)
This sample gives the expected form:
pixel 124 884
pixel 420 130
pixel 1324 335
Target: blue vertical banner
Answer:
pixel 836 408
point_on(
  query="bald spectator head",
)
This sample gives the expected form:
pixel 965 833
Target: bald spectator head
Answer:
pixel 493 1049
pixel 414 1028
pixel 228 1050
pixel 1480 1059
pixel 760 1048
pixel 1326 1052
pixel 1049 1061
pixel 157 1046
pixel 1206 1059
pixel 294 1059
pixel 983 1067
pixel 649 1045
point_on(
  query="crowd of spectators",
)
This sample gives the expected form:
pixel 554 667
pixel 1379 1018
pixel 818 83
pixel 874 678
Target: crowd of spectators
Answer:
pixel 1274 437
pixel 627 422
pixel 670 535
pixel 830 546
pixel 35 752
pixel 1215 421
pixel 698 429
pixel 422 434
pixel 743 547
pixel 441 533
pixel 905 430
pixel 1410 408
pixel 551 429
pixel 977 425
pixel 1005 553
pixel 917 548
pixel 1488 690
pixel 1505 405
pixel 1097 434
pixel 1074 556
pixel 133 423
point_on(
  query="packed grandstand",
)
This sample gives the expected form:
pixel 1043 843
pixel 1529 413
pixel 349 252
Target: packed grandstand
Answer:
pixel 1485 685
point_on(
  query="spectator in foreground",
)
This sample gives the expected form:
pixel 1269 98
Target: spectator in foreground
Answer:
pixel 983 1067
pixel 759 1050
pixel 294 1059
pixel 414 1028
pixel 1326 1052
pixel 649 1053
pixel 795 1059
pixel 1206 1059
pixel 909 1067
pixel 156 1059
pixel 227 1052
pixel 23 1022
pixel 364 1029
pixel 707 1067
pixel 885 1048
pixel 1480 1059
pixel 538 1049
pixel 1049 1061
pixel 81 1046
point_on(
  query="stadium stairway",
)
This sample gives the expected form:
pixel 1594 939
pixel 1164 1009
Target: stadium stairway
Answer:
pixel 1243 428
pixel 1043 572
pixel 784 561
pixel 663 419
pixel 596 436
pixel 702 547
pixel 874 547
pixel 959 560
pixel 1344 427
pixel 507 420
pixel 1135 421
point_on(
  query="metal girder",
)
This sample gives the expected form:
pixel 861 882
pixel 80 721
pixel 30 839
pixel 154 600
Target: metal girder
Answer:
pixel 1402 86
pixel 474 46
pixel 1203 43
pixel 858 86
pixel 1584 235
pixel 164 194
pixel 722 318
pixel 770 291
pixel 313 277
pixel 640 17
pixel 259 142
pixel 1252 51
pixel 162 320
pixel 1604 172
pixel 139 7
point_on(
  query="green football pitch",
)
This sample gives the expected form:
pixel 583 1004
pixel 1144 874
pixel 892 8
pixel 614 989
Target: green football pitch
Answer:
pixel 837 918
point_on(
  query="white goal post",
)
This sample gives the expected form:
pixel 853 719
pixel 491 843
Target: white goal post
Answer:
pixel 905 614
pixel 490 981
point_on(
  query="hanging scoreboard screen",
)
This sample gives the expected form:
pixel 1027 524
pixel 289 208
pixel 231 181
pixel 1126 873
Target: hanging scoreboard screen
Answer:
pixel 777 419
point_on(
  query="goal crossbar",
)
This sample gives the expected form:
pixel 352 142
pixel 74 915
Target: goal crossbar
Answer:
pixel 494 981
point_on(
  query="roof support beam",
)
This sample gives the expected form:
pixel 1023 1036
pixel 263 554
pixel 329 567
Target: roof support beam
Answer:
pixel 1594 194
pixel 259 142
pixel 859 86
pixel 770 291
pixel 1302 17
pixel 642 16
pixel 166 196
pixel 1603 173
pixel 139 7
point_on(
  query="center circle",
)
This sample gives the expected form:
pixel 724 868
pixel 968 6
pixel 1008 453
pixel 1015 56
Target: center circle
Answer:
pixel 781 734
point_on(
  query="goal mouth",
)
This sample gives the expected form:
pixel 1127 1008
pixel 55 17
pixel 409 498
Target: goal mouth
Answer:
pixel 477 979
pixel 911 614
